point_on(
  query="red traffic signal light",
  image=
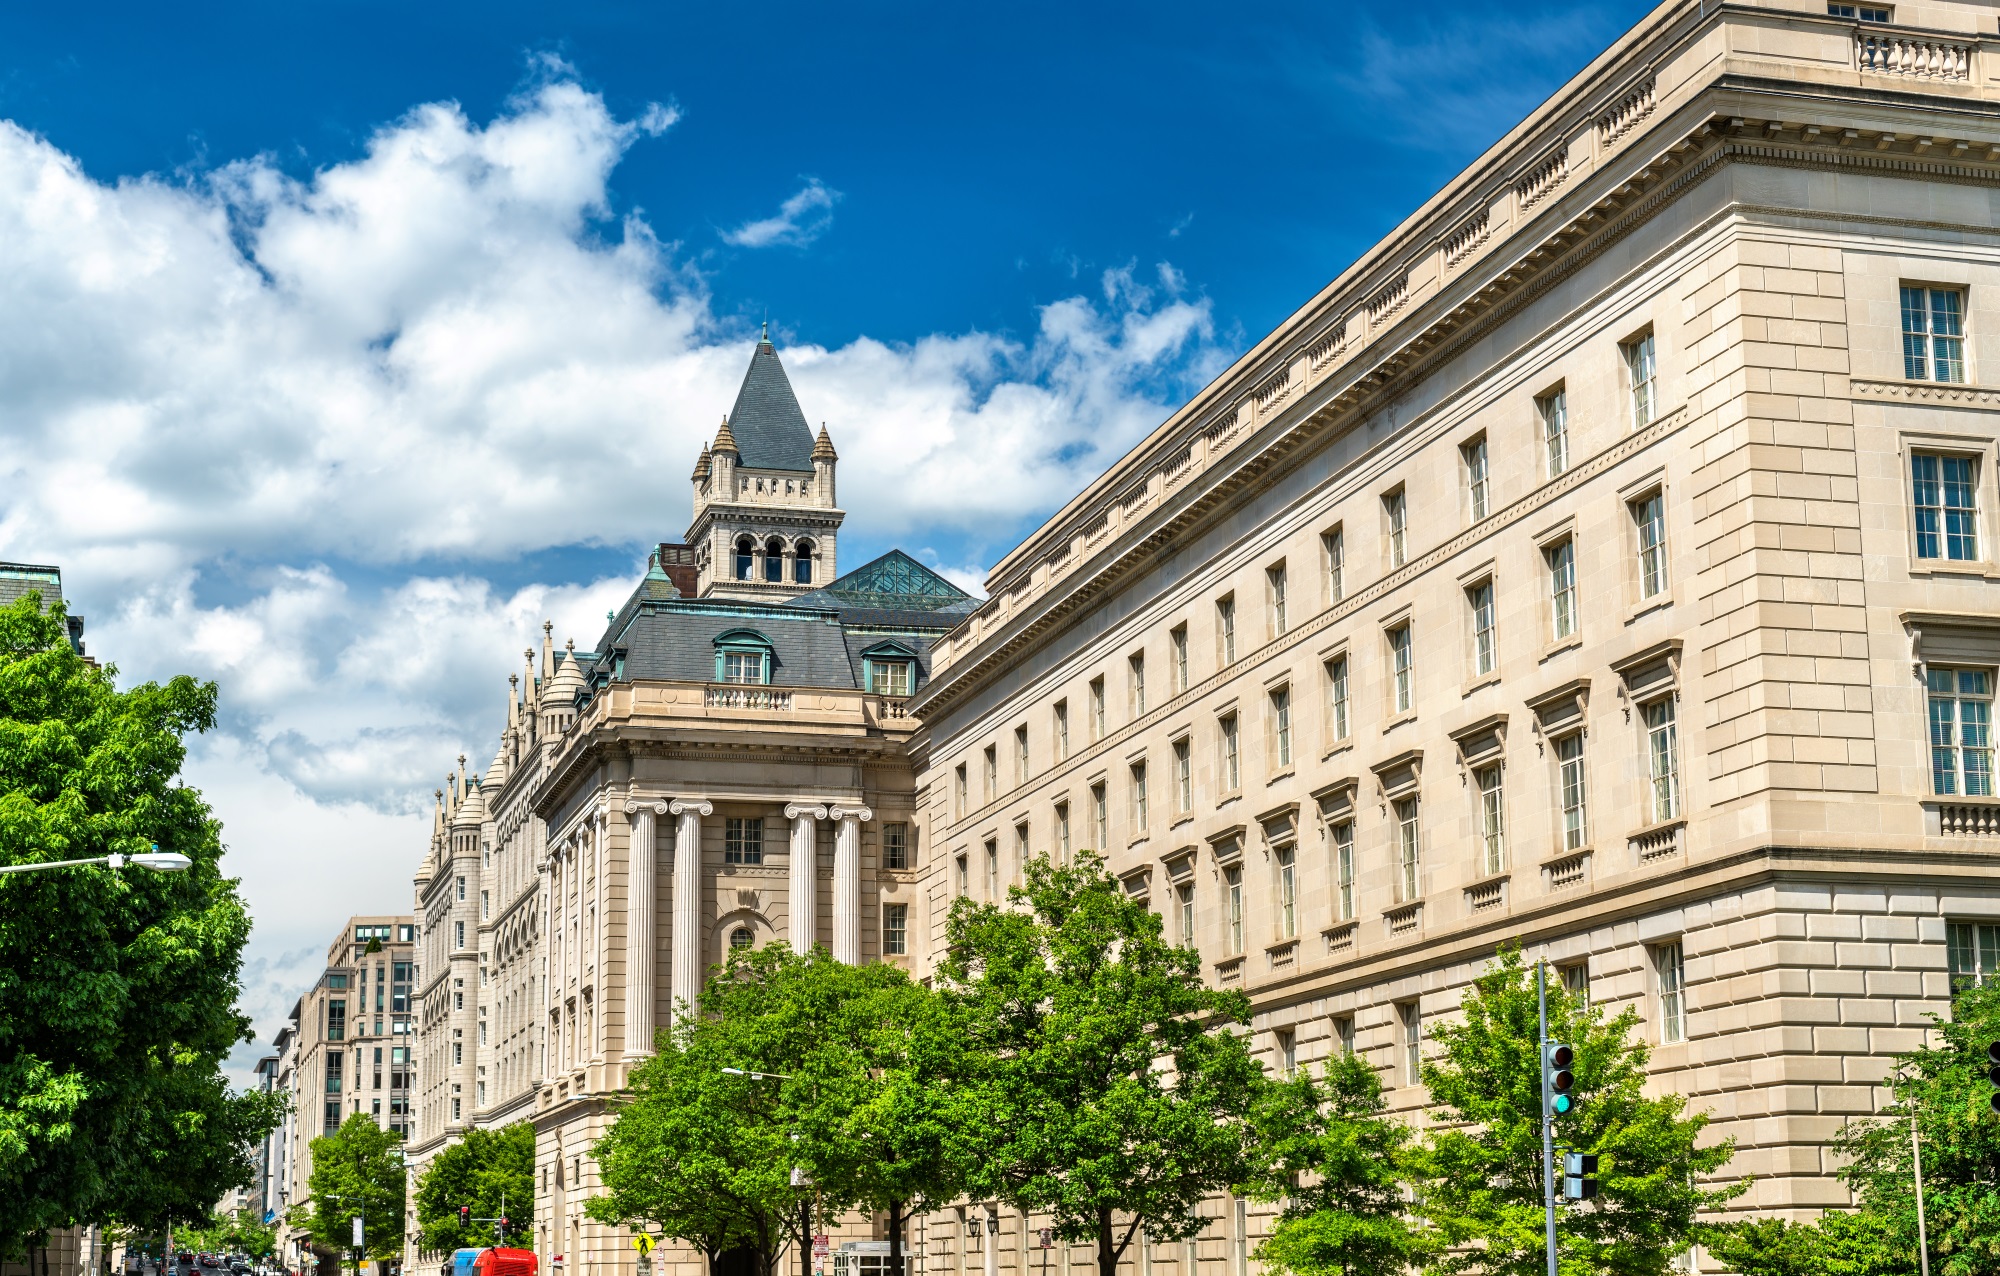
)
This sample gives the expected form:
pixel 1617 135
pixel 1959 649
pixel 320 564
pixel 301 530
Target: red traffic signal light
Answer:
pixel 464 1214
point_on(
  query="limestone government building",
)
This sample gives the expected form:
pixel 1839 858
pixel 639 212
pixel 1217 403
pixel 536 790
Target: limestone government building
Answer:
pixel 1605 561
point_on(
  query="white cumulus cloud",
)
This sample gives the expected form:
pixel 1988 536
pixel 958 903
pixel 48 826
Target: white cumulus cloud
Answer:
pixel 800 220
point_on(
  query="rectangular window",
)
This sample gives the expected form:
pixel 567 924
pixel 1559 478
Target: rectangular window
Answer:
pixel 1336 697
pixel 1396 511
pixel 1343 1032
pixel 960 797
pixel 1100 816
pixel 1945 491
pixel 1020 851
pixel 1479 600
pixel 1933 334
pixel 1232 886
pixel 964 877
pixel 1492 820
pixel 336 1020
pixel 989 771
pixel 1862 13
pixel 1649 517
pixel 1183 776
pixel 1576 981
pixel 895 846
pixel 1274 579
pixel 1062 832
pixel 1021 754
pixel 1281 725
pixel 1097 708
pixel 336 1062
pixel 1184 899
pixel 1641 375
pixel 1974 954
pixel 889 677
pixel 461 895
pixel 1225 629
pixel 1663 759
pixel 1138 797
pixel 1288 892
pixel 1343 867
pixel 896 929
pixel 460 934
pixel 485 910
pixel 1961 715
pixel 1333 545
pixel 1570 783
pixel 1288 1053
pixel 1231 761
pixel 1477 484
pixel 1412 1017
pixel 1135 666
pixel 992 870
pixel 1177 642
pixel 743 841
pixel 1672 975
pixel 1561 560
pixel 1400 665
pixel 743 666
pixel 1554 412
pixel 1409 839
pixel 336 981
pixel 1062 729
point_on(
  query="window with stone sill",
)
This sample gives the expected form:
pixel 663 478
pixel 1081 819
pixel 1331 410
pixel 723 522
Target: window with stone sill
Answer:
pixel 1062 729
pixel 1343 1032
pixel 1396 514
pixel 1642 379
pixel 1100 816
pixel 1409 844
pixel 1576 981
pixel 1973 954
pixel 1275 586
pixel 1286 858
pixel 1492 820
pixel 1021 754
pixel 1933 334
pixel 1062 832
pixel 1232 890
pixel 1177 644
pixel 1479 615
pixel 889 677
pixel 1477 481
pixel 1097 708
pixel 1402 669
pixel 1670 975
pixel 1560 561
pixel 1184 911
pixel 1138 798
pixel 1230 762
pixel 1336 699
pixel 896 929
pixel 1553 411
pixel 1960 705
pixel 992 870
pixel 1649 522
pixel 1281 725
pixel 1225 629
pixel 1410 1016
pixel 1343 870
pixel 1944 496
pixel 743 840
pixel 1573 824
pixel 1333 550
pixel 964 876
pixel 1135 666
pixel 1020 851
pixel 958 791
pixel 895 846
pixel 1663 760
pixel 990 771
pixel 1183 776
pixel 1287 1044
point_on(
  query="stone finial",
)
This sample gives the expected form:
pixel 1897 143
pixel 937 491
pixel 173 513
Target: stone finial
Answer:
pixel 823 446
pixel 726 442
pixel 703 464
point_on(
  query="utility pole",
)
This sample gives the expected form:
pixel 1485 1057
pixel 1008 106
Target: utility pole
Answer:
pixel 1548 1120
pixel 1917 1165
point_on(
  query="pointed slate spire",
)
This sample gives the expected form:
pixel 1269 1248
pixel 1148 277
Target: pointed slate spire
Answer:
pixel 771 432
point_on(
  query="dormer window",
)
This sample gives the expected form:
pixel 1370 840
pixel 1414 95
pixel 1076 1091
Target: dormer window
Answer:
pixel 889 669
pixel 743 656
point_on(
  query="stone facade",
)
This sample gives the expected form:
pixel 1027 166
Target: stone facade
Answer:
pixel 1557 576
pixel 728 766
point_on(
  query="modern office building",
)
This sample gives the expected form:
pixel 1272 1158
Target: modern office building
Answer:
pixel 1604 562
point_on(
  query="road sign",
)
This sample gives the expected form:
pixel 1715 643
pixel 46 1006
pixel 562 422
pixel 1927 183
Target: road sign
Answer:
pixel 643 1243
pixel 1048 1238
pixel 357 1232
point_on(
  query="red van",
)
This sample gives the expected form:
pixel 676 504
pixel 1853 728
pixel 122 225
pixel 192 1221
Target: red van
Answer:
pixel 505 1262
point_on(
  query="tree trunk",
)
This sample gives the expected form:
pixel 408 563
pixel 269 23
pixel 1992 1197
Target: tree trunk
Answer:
pixel 1107 1248
pixel 896 1238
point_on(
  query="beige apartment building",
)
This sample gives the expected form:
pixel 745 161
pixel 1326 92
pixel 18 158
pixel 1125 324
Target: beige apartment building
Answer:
pixel 728 766
pixel 1604 563
pixel 346 1049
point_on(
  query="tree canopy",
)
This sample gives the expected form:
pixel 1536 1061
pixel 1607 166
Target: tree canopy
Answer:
pixel 1480 1172
pixel 1109 1088
pixel 114 1020
pixel 493 1172
pixel 356 1171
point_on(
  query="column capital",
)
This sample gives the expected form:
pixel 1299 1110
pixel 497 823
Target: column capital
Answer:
pixel 657 806
pixel 603 811
pixel 793 810
pixel 861 813
pixel 681 806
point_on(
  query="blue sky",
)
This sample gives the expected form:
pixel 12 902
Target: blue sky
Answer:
pixel 340 343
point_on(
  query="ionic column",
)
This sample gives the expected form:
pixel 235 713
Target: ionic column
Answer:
pixel 805 873
pixel 687 906
pixel 847 881
pixel 641 891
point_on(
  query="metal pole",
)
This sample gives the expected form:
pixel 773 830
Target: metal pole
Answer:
pixel 1548 1128
pixel 1917 1164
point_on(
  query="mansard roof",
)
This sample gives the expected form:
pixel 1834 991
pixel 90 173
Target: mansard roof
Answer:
pixel 893 591
pixel 767 424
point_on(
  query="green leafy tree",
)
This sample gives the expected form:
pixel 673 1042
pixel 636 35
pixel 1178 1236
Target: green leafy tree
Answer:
pixel 1481 1171
pixel 1943 1085
pixel 356 1171
pixel 1109 1089
pixel 1325 1149
pixel 1838 1245
pixel 493 1171
pixel 114 1023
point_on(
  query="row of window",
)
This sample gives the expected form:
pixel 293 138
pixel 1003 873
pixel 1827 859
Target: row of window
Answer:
pixel 743 842
pixel 772 554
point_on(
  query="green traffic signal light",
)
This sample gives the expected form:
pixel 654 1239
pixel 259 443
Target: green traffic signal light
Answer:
pixel 1557 1079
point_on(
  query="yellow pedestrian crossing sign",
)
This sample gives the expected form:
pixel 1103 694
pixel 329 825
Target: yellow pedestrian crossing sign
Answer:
pixel 643 1243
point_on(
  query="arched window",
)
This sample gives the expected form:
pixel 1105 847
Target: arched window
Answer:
pixel 741 937
pixel 774 560
pixel 745 549
pixel 802 565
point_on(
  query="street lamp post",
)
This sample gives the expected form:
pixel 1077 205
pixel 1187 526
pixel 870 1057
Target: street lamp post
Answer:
pixel 798 1176
pixel 156 859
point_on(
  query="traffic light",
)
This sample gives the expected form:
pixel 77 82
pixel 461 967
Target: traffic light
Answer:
pixel 465 1216
pixel 1993 1074
pixel 1578 1169
pixel 1557 1079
